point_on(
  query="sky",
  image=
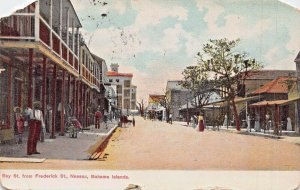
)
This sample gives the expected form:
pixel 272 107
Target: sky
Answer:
pixel 155 40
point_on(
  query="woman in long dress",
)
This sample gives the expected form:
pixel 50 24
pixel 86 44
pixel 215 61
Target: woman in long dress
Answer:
pixel 289 124
pixel 201 123
pixel 225 123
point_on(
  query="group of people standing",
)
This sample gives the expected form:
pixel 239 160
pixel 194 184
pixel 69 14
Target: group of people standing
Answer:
pixel 33 118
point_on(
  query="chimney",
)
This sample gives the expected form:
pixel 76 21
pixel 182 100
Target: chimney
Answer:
pixel 114 67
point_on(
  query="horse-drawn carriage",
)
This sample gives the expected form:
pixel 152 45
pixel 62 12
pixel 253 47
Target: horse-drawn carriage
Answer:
pixel 124 120
pixel 73 126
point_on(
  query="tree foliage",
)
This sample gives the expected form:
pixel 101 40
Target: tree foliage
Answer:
pixel 226 67
pixel 197 82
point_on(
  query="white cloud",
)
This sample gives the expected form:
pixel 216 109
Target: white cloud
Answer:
pixel 171 39
pixel 294 43
pixel 116 44
pixel 10 6
pixel 150 13
pixel 120 6
pixel 272 54
pixel 274 61
pixel 235 26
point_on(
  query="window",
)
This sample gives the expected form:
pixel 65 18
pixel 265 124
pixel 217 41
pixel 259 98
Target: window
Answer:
pixel 119 101
pixel 133 96
pixel 117 80
pixel 119 89
pixel 127 93
pixel 127 83
pixel 126 104
pixel 110 80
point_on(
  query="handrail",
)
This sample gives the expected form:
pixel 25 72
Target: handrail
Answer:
pixel 60 39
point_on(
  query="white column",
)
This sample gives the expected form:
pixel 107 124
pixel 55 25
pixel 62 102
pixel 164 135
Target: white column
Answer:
pixel 77 35
pixel 60 28
pixel 37 21
pixel 73 35
pixel 50 23
pixel 67 30
pixel 73 40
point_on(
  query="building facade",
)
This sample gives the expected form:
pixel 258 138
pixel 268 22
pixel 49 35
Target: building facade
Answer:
pixel 125 91
pixel 297 61
pixel 177 96
pixel 44 58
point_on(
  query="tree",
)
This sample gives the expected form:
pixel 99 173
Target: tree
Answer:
pixel 227 68
pixel 197 82
pixel 141 107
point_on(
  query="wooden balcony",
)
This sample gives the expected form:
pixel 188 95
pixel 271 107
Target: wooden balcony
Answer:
pixel 30 25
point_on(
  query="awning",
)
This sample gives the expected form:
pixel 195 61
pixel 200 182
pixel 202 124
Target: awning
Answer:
pixel 236 100
pixel 190 105
pixel 274 102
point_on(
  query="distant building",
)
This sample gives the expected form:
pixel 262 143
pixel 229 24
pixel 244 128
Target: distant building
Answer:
pixel 276 89
pixel 297 61
pixel 257 79
pixel 177 95
pixel 277 93
pixel 125 91
pixel 133 97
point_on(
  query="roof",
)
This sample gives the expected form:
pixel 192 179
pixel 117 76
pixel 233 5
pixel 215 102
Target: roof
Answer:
pixel 298 58
pixel 98 59
pixel 117 74
pixel 174 85
pixel 278 85
pixel 274 102
pixel 236 100
pixel 269 74
pixel 155 98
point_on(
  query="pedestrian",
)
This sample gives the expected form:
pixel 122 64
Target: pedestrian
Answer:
pixel 20 124
pixel 193 121
pixel 289 124
pixel 248 120
pixel 225 123
pixel 36 122
pixel 257 123
pixel 201 123
pixel 133 121
pixel 98 116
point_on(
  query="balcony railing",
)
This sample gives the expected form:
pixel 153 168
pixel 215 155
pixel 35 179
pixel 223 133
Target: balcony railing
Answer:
pixel 22 27
pixel 17 27
pixel 66 53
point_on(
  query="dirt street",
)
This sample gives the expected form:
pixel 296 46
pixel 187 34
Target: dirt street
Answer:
pixel 158 145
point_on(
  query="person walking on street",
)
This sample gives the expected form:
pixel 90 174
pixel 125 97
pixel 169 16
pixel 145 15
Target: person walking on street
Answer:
pixel 133 122
pixel 98 116
pixel 36 121
pixel 20 124
pixel 201 123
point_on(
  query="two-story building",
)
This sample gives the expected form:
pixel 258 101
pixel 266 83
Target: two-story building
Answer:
pixel 43 58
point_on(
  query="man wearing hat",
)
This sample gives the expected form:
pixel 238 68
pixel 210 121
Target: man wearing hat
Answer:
pixel 36 121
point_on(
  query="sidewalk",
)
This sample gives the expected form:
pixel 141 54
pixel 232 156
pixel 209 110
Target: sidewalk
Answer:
pixel 289 136
pixel 62 147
